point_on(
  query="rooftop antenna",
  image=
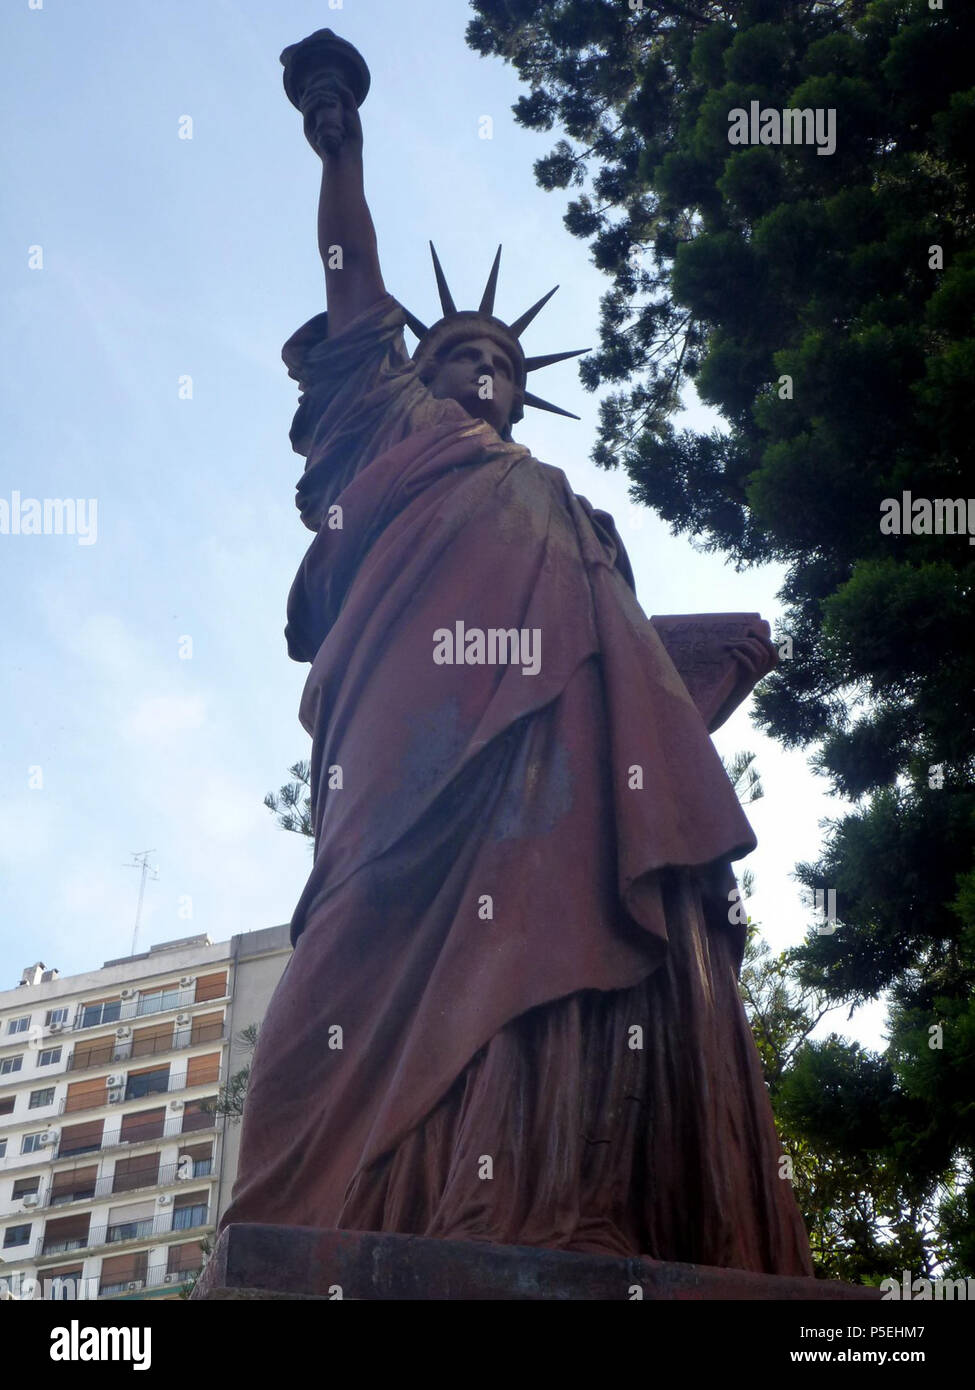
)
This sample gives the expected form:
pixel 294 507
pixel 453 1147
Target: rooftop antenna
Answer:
pixel 141 859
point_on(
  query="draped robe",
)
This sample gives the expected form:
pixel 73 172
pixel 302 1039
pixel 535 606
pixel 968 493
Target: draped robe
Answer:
pixel 511 1011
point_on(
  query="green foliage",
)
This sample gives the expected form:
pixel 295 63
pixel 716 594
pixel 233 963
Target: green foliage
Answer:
pixel 878 1191
pixel 292 804
pixel 230 1101
pixel 206 1247
pixel 737 267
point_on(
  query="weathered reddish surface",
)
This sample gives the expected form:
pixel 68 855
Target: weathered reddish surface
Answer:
pixel 511 1015
pixel 505 1034
pixel 252 1261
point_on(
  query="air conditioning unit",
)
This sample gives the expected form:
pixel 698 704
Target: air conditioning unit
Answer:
pixel 56 1028
pixel 123 1033
pixel 116 1094
pixel 134 1284
pixel 50 1136
pixel 31 1200
pixel 186 981
pixel 116 1079
pixel 128 993
pixel 164 1199
pixel 173 1279
pixel 182 1018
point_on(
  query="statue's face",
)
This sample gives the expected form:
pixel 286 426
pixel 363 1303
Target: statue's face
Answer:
pixel 479 374
pixel 323 106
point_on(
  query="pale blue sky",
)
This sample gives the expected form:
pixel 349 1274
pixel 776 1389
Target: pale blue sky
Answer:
pixel 163 257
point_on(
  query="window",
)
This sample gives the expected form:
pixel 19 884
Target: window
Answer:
pixel 81 1139
pixel 198 1114
pixel 49 1056
pixel 85 1095
pixel 95 1052
pixel 203 1069
pixel 25 1187
pixel 211 986
pixel 158 1000
pixel 140 1125
pixel 7 1105
pixel 195 1160
pixel 145 1083
pixel 18 1025
pixel 186 1217
pixel 8 1064
pixel 16 1235
pixel 118 1271
pixel 66 1233
pixel 185 1259
pixel 3 1148
pixel 129 1230
pixel 206 1027
pixel 38 1099
pixel 55 1016
pixel 133 1173
pixel 73 1184
pixel 30 1143
pixel 106 1012
pixel 157 1037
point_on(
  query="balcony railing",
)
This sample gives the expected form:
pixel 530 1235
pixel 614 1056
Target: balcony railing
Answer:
pixel 87 1059
pixel 133 1181
pixel 169 1223
pixel 187 1123
pixel 65 1288
pixel 154 1277
pixel 96 1099
pixel 144 1007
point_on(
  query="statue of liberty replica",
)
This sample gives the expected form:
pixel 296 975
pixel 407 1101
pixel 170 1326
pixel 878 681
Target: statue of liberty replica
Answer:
pixel 511 1013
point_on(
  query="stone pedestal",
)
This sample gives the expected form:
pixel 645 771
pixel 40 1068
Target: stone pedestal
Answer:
pixel 299 1262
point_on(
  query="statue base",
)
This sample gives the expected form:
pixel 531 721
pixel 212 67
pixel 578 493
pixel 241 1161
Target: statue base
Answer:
pixel 300 1262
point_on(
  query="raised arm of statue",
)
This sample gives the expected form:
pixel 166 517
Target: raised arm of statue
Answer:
pixel 346 235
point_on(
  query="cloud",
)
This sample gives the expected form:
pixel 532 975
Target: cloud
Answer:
pixel 157 718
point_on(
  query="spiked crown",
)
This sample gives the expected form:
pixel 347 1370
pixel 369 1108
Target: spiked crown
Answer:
pixel 459 324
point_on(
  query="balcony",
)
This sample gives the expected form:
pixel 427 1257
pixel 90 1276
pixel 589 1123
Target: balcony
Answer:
pixel 194 1122
pixel 122 1011
pixel 156 1276
pixel 169 1223
pixel 105 1187
pixel 96 1099
pixel 127 1049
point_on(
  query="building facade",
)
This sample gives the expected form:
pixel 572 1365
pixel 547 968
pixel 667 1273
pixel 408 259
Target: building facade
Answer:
pixel 115 1162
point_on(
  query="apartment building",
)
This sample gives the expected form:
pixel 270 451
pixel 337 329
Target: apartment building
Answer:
pixel 114 1164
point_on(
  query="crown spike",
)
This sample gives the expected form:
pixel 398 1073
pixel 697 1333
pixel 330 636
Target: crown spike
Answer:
pixel 532 364
pixel 413 323
pixel 486 305
pixel 539 404
pixel 446 299
pixel 519 325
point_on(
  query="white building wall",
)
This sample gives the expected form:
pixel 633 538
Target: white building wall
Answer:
pixel 252 963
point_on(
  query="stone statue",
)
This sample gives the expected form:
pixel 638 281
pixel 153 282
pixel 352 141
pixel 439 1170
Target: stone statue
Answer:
pixel 511 1013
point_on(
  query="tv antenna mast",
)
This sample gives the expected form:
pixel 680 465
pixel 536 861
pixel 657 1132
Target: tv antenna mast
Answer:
pixel 141 861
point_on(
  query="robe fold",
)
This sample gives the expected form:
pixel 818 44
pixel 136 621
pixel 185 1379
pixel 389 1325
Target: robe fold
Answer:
pixel 517 862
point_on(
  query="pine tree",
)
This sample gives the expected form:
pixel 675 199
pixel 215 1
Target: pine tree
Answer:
pixel 823 304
